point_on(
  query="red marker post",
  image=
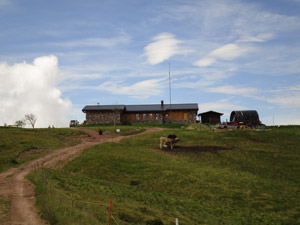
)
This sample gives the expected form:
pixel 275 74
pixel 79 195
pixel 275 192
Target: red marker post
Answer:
pixel 109 217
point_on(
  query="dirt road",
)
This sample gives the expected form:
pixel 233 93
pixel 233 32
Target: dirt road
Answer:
pixel 20 191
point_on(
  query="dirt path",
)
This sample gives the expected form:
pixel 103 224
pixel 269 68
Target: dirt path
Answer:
pixel 21 192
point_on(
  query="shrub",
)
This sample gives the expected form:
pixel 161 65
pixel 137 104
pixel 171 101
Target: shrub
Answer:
pixel 154 222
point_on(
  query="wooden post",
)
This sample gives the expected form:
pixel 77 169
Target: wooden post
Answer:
pixel 109 216
pixel 176 221
pixel 51 193
pixel 44 178
pixel 71 209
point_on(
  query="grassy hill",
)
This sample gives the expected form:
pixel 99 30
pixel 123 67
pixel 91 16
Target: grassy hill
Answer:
pixel 237 177
pixel 19 145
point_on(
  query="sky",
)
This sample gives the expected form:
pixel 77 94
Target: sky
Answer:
pixel 58 56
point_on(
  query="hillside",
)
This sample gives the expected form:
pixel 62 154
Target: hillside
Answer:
pixel 18 145
pixel 237 177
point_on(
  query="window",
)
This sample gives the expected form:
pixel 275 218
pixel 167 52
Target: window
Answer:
pixel 137 116
pixel 144 116
pixel 157 116
pixel 150 116
pixel 185 116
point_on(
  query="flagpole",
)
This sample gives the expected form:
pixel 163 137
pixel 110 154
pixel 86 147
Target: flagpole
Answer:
pixel 170 91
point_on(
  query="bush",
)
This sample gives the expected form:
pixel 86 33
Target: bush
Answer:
pixel 154 222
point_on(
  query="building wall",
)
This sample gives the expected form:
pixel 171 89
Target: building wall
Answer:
pixel 142 117
pixel 183 116
pixel 108 117
pixel 167 117
pixel 103 117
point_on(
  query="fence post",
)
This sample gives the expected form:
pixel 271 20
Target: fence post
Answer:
pixel 176 221
pixel 51 193
pixel 44 178
pixel 71 208
pixel 109 216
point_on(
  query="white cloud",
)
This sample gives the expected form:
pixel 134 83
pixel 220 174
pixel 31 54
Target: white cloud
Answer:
pixel 163 47
pixel 95 42
pixel 288 118
pixel 206 61
pixel 258 38
pixel 207 79
pixel 285 97
pixel 226 52
pixel 88 67
pixel 223 106
pixel 76 113
pixel 295 88
pixel 287 100
pixel 232 90
pixel 229 51
pixel 193 84
pixel 142 89
pixel 79 76
pixel 31 88
pixel 233 18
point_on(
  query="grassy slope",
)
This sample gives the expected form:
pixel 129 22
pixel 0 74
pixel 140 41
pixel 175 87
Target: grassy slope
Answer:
pixel 18 146
pixel 32 142
pixel 109 129
pixel 257 182
pixel 129 129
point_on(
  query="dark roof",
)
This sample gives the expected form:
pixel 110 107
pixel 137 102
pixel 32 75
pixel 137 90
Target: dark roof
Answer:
pixel 210 112
pixel 148 108
pixel 245 115
pixel 142 108
pixel 187 106
pixel 103 107
pixel 158 107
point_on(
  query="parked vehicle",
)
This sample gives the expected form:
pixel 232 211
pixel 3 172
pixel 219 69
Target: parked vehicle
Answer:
pixel 74 123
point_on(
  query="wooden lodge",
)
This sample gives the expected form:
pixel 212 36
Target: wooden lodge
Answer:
pixel 155 113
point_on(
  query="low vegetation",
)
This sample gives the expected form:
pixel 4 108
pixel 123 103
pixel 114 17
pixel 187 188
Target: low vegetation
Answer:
pixel 130 129
pixel 237 177
pixel 19 145
pixel 4 209
pixel 116 130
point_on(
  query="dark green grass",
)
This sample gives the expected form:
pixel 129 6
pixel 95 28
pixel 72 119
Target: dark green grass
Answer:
pixel 133 126
pixel 254 181
pixel 19 145
pixel 125 130
pixel 163 125
pixel 4 209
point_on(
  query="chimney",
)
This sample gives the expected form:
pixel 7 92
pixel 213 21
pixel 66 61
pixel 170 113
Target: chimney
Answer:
pixel 162 103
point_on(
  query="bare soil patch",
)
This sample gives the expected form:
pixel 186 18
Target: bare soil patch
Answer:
pixel 198 149
pixel 30 152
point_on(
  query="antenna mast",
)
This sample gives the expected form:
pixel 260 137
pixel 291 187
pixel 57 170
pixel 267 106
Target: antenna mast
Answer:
pixel 170 91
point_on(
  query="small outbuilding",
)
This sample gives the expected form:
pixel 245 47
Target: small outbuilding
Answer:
pixel 210 117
